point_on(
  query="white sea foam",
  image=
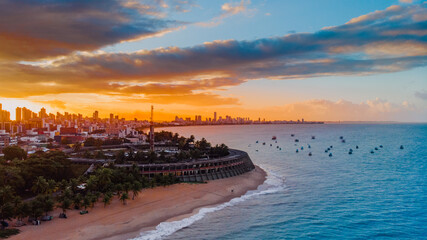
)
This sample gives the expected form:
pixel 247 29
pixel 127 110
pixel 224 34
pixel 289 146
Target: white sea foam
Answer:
pixel 274 183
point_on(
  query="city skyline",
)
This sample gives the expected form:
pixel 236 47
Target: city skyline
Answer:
pixel 25 114
pixel 329 61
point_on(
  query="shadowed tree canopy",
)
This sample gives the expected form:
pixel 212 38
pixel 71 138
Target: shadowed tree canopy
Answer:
pixel 14 152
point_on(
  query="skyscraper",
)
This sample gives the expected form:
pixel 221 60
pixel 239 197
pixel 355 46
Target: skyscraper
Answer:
pixel 42 113
pixel 95 115
pixel 18 114
pixel 214 117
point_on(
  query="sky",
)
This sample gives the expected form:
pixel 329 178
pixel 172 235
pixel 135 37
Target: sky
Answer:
pixel 329 60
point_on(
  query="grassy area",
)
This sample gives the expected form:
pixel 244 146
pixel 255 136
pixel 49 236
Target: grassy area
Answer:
pixel 8 232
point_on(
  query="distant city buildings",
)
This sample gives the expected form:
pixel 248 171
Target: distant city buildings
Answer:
pixel 35 131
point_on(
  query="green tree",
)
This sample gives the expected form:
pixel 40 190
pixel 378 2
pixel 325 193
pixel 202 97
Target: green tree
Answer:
pixel 107 198
pixel 136 189
pixel 6 202
pixel 36 208
pixel 11 175
pixel 65 204
pixel 47 202
pixel 124 197
pixel 202 145
pixel 87 201
pixel 77 200
pixel 51 186
pixel 40 185
pixel 22 210
pixel 14 152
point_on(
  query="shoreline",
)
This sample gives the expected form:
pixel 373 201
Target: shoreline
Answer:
pixel 149 209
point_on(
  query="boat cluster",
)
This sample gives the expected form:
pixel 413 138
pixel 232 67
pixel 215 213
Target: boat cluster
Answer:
pixel 328 150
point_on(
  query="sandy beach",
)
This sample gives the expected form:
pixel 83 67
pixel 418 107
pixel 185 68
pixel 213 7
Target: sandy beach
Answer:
pixel 151 207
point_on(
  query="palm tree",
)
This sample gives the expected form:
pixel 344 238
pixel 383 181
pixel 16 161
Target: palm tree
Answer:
pixel 51 186
pixel 107 198
pixel 104 178
pixel 40 185
pixel 65 204
pixel 36 208
pixel 77 200
pixel 91 183
pixel 47 203
pixel 136 189
pixel 87 201
pixel 124 197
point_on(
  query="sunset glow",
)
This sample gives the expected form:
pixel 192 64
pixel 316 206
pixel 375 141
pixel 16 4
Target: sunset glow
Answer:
pixel 257 59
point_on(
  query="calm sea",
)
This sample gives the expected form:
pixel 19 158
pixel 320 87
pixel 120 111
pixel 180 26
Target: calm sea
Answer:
pixel 380 195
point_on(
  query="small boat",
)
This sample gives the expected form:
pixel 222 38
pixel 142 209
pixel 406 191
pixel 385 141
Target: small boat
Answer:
pixel 401 146
pixel 343 141
pixel 326 150
pixel 309 146
pixel 376 149
pixel 256 141
pixel 331 146
pixel 357 147
pixel 372 151
pixel 350 152
pixel 313 137
pixel 309 154
pixel 256 150
pixel 296 150
pixel 263 143
pixel 292 135
pixel 280 149
pixel 341 137
pixel 296 140
pixel 271 144
pixel 277 147
pixel 302 148
pixel 274 138
pixel 330 154
pixel 381 146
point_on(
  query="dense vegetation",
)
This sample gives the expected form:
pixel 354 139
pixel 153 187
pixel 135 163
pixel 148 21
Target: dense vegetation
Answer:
pixel 188 149
pixel 51 179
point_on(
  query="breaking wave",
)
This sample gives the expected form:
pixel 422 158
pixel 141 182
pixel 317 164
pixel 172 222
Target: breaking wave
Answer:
pixel 274 183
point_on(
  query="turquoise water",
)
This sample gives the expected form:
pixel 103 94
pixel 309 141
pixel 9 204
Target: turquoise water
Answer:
pixel 359 196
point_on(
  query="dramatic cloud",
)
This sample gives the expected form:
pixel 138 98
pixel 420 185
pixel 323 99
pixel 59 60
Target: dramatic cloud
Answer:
pixel 391 40
pixel 40 29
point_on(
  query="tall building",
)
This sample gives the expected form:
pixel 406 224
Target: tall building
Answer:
pixel 26 114
pixel 18 114
pixel 95 115
pixel 111 117
pixel 42 113
pixel 214 117
pixel 4 115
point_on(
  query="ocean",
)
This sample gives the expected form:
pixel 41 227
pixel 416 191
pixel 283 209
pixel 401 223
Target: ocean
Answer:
pixel 363 195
